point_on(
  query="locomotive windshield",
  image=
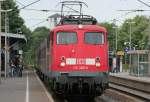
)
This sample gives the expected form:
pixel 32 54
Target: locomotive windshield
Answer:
pixel 94 38
pixel 66 38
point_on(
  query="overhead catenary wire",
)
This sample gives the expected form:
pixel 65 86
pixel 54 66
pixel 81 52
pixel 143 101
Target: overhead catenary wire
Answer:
pixel 131 11
pixel 24 6
pixel 35 19
pixel 20 3
pixel 123 15
pixel 143 3
pixel 119 17
pixel 127 12
pixel 134 10
pixel 44 10
pixel 30 4
pixel 39 23
pixel 138 10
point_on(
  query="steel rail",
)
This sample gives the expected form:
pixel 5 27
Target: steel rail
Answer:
pixel 131 91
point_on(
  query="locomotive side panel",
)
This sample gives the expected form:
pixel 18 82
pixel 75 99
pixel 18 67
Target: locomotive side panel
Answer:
pixel 43 58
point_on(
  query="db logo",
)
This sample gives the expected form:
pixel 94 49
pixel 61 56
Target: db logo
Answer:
pixel 81 61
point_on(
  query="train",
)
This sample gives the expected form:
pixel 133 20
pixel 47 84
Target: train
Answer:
pixel 74 57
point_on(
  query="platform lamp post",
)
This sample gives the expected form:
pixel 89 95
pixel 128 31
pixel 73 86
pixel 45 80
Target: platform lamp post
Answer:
pixel 116 38
pixel 116 47
pixel 6 31
pixel 149 49
pixel 130 40
pixel 0 40
pixel 130 31
pixel 6 44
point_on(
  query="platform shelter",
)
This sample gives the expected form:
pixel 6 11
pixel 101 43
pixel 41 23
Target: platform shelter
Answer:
pixel 138 62
pixel 9 48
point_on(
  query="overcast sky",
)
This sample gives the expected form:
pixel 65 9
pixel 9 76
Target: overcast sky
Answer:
pixel 103 10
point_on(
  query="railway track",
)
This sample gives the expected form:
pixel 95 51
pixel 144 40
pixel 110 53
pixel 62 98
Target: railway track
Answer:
pixel 132 92
pixel 131 87
pixel 110 95
pixel 119 91
pixel 113 95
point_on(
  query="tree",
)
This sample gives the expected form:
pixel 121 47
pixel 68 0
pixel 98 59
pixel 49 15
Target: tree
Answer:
pixel 139 32
pixel 111 34
pixel 38 35
pixel 27 32
pixel 15 21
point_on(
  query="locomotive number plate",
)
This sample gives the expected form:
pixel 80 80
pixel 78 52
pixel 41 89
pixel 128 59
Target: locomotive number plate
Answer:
pixel 81 61
pixel 71 61
pixel 80 67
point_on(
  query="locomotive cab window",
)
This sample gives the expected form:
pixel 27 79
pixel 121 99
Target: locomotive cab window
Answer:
pixel 94 38
pixel 66 38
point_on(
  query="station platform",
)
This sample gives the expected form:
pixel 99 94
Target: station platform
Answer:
pixel 27 88
pixel 126 75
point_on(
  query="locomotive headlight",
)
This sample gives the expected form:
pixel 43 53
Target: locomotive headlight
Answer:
pixel 62 64
pixel 97 64
pixel 80 26
pixel 97 60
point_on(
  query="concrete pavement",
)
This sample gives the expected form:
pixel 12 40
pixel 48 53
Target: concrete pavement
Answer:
pixel 24 89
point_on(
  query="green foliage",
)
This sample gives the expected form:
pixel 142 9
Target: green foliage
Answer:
pixel 125 67
pixel 38 35
pixel 15 21
pixel 111 36
pixel 27 32
pixel 16 24
pixel 139 32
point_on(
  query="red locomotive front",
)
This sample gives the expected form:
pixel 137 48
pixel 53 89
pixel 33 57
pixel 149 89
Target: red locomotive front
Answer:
pixel 75 59
pixel 79 59
pixel 80 48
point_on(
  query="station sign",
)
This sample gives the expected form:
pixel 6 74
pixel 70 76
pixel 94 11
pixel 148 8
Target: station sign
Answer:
pixel 126 49
pixel 120 53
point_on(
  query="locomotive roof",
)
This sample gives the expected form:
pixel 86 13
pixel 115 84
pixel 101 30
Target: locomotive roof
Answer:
pixel 76 27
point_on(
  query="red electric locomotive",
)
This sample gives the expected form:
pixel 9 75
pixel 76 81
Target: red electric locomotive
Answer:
pixel 75 56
